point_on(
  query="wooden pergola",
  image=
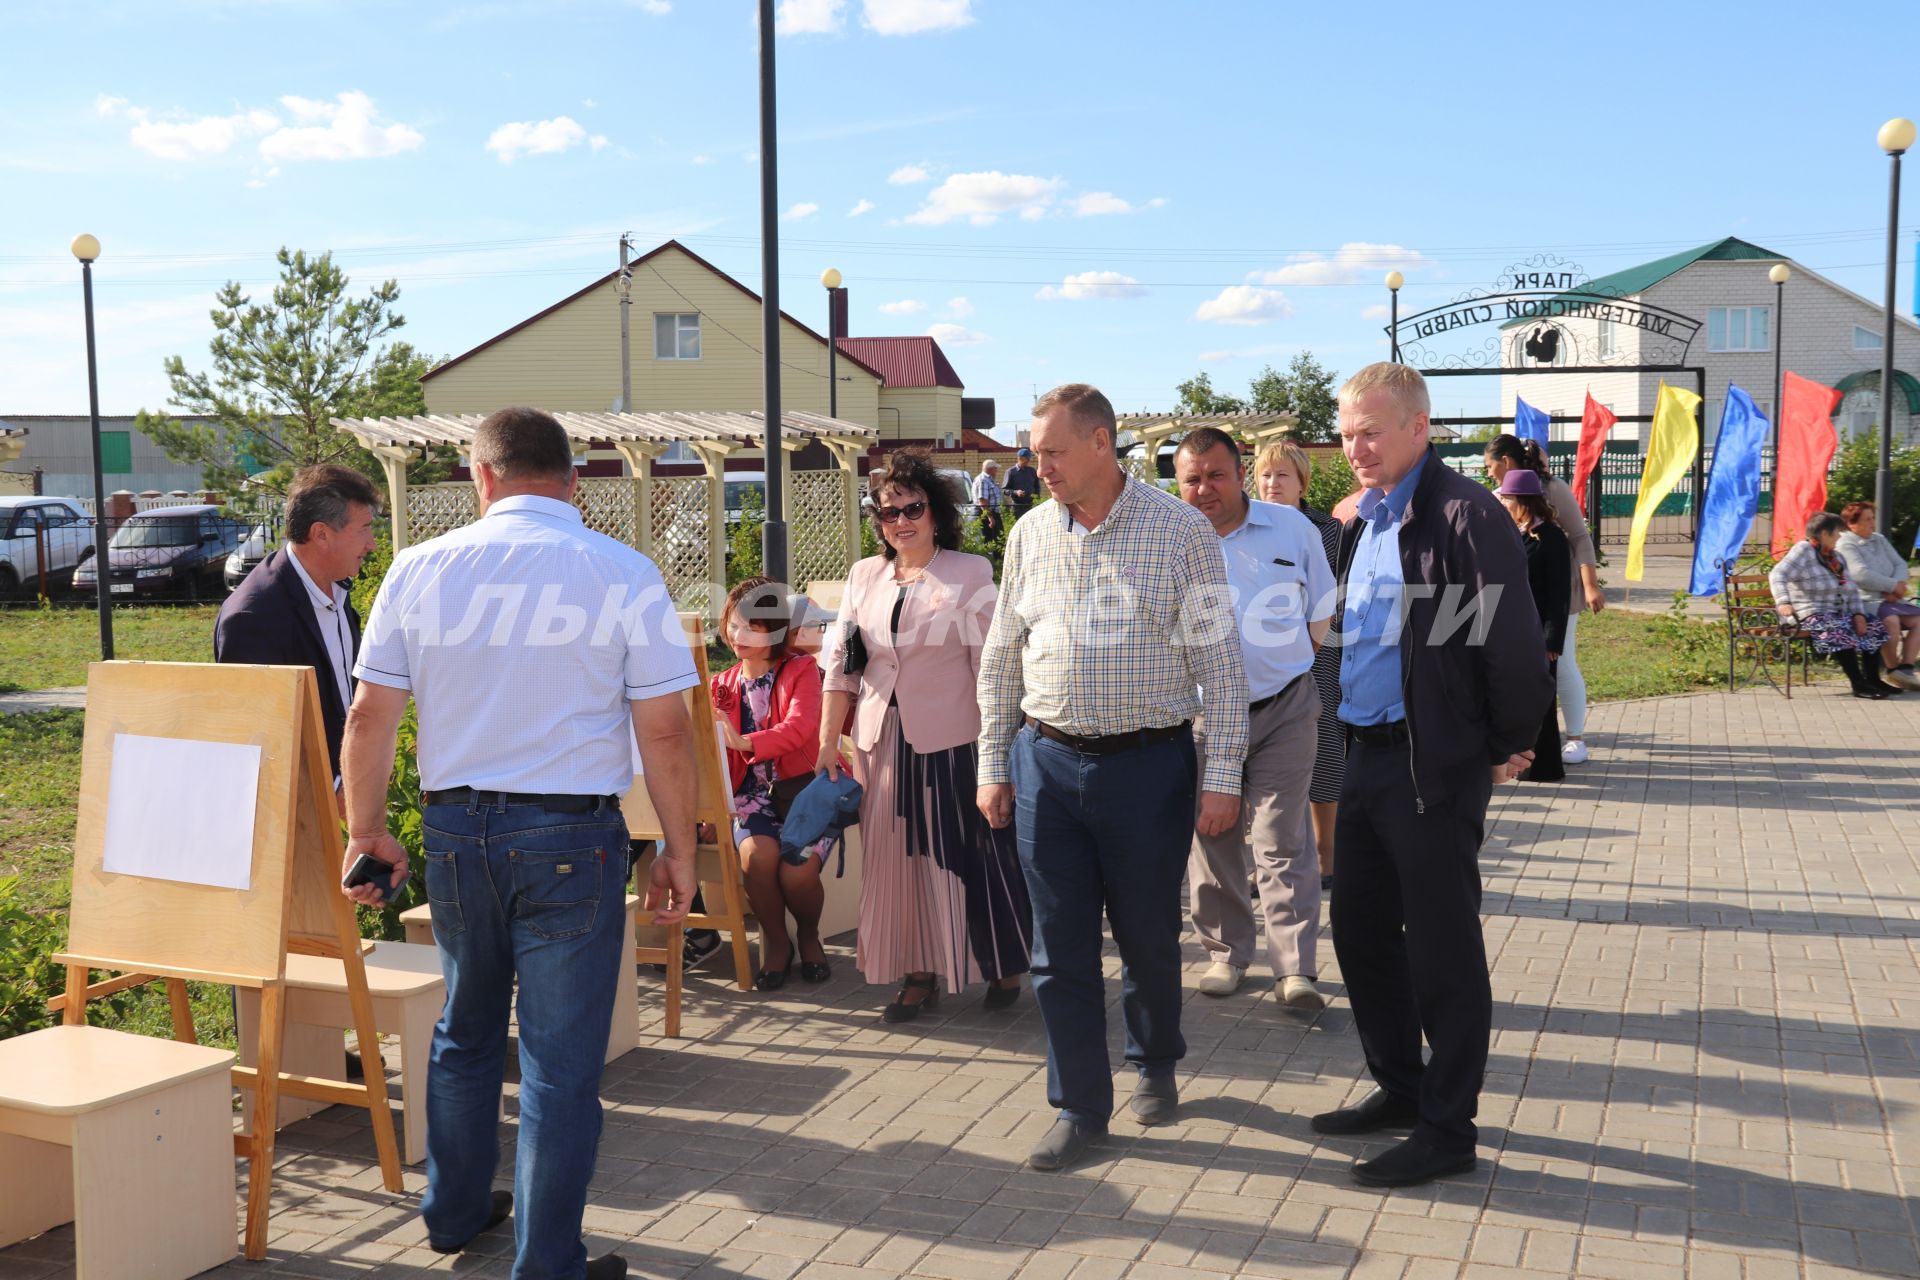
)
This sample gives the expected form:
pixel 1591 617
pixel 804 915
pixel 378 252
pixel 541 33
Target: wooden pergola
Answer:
pixel 639 438
pixel 1152 430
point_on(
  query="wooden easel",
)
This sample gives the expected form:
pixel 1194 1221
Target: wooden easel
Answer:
pixel 718 863
pixel 145 928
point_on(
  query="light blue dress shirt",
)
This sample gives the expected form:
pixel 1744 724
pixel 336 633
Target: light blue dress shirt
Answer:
pixel 1277 567
pixel 1370 691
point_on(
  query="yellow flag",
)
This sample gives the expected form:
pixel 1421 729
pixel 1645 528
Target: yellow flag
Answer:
pixel 1676 439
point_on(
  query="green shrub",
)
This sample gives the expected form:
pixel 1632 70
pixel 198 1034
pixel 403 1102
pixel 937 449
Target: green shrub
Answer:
pixel 1852 480
pixel 28 976
pixel 1332 480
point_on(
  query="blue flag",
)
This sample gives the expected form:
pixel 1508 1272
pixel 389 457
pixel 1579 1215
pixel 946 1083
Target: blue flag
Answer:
pixel 1733 490
pixel 1529 423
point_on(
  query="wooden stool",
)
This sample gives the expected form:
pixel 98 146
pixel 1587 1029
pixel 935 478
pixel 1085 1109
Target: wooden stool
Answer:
pixel 624 1035
pixel 129 1138
pixel 408 994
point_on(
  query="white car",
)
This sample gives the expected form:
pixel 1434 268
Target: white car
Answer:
pixel 60 525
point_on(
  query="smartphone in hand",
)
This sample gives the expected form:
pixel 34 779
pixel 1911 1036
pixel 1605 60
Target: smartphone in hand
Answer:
pixel 370 870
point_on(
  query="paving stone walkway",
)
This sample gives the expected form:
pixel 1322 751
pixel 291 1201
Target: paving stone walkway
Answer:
pixel 1706 1063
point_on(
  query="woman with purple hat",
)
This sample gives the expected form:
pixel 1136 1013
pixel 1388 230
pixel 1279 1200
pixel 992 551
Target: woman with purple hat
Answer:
pixel 1550 574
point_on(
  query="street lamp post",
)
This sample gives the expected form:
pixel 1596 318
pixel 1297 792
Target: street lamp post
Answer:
pixel 830 279
pixel 86 248
pixel 773 535
pixel 1780 274
pixel 1896 136
pixel 1394 281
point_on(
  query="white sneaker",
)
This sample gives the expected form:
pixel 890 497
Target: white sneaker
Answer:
pixel 1297 992
pixel 1903 676
pixel 1575 752
pixel 1221 979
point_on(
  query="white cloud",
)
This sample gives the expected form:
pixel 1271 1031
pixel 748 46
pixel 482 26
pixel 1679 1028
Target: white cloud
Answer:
pixel 864 206
pixel 805 209
pixel 981 198
pixel 108 105
pixel 1158 202
pixel 587 103
pixel 1378 311
pixel 199 136
pixel 1214 357
pixel 904 307
pixel 347 128
pixel 1095 203
pixel 1093 284
pixel 959 308
pixel 1245 304
pixel 658 8
pixel 537 138
pixel 809 17
pixel 911 17
pixel 1355 262
pixel 703 159
pixel 908 174
pixel 953 335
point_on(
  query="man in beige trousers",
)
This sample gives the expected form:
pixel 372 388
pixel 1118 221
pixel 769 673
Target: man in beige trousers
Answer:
pixel 1283 591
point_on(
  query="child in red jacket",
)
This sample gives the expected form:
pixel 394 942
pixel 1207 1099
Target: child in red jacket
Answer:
pixel 768 706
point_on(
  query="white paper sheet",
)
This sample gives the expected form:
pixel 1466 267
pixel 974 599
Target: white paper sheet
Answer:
pixel 182 809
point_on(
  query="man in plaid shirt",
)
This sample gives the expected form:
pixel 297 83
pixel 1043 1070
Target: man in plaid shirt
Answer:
pixel 1114 629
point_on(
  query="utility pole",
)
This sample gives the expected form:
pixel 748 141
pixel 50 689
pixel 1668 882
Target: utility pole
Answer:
pixel 626 342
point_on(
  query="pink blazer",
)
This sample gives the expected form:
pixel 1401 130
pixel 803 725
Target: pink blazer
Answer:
pixel 933 667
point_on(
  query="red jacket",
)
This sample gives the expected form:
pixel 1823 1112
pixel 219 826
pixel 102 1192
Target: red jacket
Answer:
pixel 792 741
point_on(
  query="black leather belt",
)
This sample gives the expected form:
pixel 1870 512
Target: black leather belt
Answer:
pixel 1113 743
pixel 498 799
pixel 1391 734
pixel 1261 704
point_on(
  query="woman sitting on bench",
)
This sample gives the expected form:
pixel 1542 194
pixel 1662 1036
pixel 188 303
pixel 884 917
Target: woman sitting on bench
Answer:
pixel 1811 589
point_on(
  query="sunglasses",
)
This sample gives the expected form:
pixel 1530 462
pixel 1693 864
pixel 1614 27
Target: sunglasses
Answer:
pixel 912 511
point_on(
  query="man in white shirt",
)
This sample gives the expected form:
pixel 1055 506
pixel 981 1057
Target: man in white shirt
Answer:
pixel 536 651
pixel 1283 595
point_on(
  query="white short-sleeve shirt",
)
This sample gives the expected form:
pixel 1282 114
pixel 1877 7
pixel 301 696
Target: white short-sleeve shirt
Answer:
pixel 1277 567
pixel 523 637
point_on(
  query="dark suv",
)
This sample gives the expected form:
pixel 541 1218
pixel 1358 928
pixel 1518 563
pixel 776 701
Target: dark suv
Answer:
pixel 169 551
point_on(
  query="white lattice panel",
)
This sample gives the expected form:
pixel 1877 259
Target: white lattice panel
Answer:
pixel 817 525
pixel 434 509
pixel 680 543
pixel 606 504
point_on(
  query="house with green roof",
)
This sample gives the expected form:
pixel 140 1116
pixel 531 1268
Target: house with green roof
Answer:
pixel 1826 332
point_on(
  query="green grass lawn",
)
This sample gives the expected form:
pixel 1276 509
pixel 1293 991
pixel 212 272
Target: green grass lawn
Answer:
pixel 47 648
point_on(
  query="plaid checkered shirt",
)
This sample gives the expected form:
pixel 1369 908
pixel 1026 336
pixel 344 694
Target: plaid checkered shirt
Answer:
pixel 1111 631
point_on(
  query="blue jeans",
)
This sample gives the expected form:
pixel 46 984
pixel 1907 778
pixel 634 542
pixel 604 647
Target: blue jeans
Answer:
pixel 521 891
pixel 1115 830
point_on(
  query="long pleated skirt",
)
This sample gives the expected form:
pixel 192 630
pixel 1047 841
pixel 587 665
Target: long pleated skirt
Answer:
pixel 941 891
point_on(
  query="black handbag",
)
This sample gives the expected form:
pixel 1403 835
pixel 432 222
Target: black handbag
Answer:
pixel 785 791
pixel 856 660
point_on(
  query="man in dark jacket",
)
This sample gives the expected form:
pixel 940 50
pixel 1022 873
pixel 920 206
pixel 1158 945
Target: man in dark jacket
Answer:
pixel 293 609
pixel 1443 684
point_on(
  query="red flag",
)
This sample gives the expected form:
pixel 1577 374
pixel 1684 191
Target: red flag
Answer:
pixel 1595 421
pixel 1807 442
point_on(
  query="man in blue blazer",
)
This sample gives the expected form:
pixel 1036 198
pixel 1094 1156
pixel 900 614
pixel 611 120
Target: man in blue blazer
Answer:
pixel 293 609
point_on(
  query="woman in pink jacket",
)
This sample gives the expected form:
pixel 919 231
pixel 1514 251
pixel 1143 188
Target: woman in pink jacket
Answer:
pixel 768 706
pixel 941 894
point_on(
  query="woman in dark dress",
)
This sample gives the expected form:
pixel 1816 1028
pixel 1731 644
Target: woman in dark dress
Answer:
pixel 1550 574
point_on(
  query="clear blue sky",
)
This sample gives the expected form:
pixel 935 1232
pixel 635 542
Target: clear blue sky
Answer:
pixel 1207 162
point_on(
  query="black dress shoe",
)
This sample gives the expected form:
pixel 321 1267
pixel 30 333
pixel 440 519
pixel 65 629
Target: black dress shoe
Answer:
pixel 1155 1099
pixel 502 1210
pixel 1378 1110
pixel 999 997
pixel 609 1266
pixel 1066 1142
pixel 1410 1163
